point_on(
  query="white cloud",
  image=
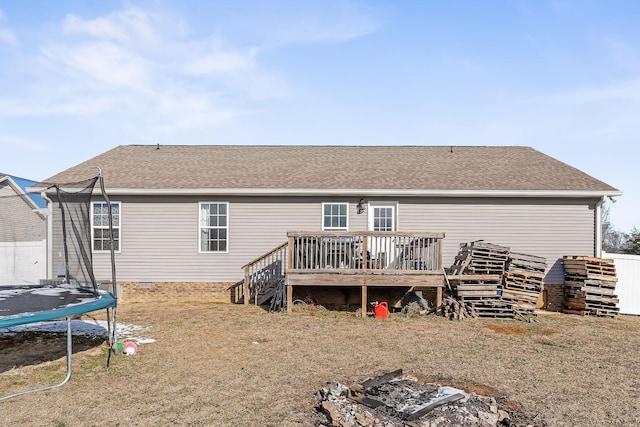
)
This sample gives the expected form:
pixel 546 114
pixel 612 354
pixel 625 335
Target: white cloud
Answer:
pixel 187 111
pixel 151 72
pixel 628 90
pixel 125 26
pixel 102 62
pixel 222 62
pixel 42 105
pixel 6 35
pixel 22 144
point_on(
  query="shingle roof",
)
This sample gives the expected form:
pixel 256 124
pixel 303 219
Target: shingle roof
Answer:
pixel 202 167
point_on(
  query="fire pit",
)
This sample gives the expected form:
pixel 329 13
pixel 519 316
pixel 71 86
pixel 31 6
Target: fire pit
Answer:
pixel 394 399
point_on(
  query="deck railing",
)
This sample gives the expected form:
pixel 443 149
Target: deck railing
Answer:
pixel 263 274
pixel 364 250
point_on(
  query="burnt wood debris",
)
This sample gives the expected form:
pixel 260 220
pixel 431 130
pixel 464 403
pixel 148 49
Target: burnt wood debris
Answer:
pixel 396 399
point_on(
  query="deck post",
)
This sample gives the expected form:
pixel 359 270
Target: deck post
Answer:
pixel 289 296
pixel 289 267
pixel 245 286
pixel 438 296
pixel 364 301
pixel 289 254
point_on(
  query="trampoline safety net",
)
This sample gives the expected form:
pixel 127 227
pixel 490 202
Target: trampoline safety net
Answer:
pixel 75 215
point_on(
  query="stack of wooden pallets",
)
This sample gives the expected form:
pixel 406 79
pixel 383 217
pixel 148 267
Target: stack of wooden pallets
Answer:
pixel 589 286
pixel 524 278
pixel 476 277
pixel 497 283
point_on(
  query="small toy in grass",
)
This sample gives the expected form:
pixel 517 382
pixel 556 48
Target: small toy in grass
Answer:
pixel 130 348
pixel 119 347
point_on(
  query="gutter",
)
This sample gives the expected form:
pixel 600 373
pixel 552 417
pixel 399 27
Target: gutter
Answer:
pixel 598 230
pixel 49 235
pixel 352 192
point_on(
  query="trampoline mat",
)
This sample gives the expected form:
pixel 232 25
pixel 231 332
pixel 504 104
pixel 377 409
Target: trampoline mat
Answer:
pixel 20 305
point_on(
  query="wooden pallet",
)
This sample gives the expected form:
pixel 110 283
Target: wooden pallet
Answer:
pixel 486 246
pixel 520 261
pixel 493 309
pixel 524 280
pixel 589 267
pixel 590 283
pixel 515 296
pixel 477 279
pixel 573 277
pixel 526 312
pixel 589 287
pixel 592 312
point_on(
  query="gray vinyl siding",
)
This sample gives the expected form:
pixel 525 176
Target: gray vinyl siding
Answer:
pixel 18 221
pixel 550 228
pixel 159 236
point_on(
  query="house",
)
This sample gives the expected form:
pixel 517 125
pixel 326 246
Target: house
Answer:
pixel 189 219
pixel 23 233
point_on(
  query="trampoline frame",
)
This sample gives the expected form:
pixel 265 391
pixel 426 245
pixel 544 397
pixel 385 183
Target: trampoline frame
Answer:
pixel 102 300
pixel 105 300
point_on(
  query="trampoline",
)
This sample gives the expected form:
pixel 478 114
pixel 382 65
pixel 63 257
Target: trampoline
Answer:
pixel 76 292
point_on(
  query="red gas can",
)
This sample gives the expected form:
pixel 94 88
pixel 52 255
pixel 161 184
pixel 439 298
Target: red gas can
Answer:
pixel 381 310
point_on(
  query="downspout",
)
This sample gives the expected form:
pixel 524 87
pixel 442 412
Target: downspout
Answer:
pixel 49 267
pixel 598 242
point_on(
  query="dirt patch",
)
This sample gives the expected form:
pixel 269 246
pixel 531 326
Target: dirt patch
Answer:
pixel 32 348
pixel 505 329
pixel 510 328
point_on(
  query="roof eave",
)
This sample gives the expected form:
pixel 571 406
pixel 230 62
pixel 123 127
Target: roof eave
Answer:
pixel 353 192
pixel 21 193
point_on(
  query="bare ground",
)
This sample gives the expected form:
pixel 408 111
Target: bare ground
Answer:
pixel 221 364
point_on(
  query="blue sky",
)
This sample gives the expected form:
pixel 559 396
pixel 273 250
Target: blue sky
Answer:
pixel 81 77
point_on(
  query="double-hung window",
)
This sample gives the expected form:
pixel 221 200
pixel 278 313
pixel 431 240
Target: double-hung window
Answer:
pixel 335 216
pixel 100 226
pixel 214 226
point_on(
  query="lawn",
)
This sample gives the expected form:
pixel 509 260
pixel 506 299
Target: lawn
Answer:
pixel 231 365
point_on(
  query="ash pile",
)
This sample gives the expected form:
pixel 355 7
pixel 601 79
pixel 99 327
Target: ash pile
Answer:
pixel 394 399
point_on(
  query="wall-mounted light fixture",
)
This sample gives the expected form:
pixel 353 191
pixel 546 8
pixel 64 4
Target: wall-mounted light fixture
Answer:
pixel 361 206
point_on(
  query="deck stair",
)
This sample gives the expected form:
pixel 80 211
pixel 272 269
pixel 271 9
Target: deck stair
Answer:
pixel 264 275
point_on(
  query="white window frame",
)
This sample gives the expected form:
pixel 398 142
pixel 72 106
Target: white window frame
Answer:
pixel 346 227
pixel 201 227
pixel 116 225
pixel 394 212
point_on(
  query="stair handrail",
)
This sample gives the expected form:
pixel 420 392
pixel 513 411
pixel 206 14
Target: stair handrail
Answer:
pixel 251 289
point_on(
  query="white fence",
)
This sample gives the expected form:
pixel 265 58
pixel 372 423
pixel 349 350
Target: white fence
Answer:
pixel 23 262
pixel 628 286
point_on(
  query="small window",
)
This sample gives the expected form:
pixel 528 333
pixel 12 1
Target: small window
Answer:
pixel 383 218
pixel 334 216
pixel 100 226
pixel 214 226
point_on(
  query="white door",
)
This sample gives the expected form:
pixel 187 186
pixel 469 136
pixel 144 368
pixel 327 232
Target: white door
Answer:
pixel 382 218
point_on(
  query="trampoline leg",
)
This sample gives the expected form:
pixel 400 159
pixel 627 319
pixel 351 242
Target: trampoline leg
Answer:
pixel 69 354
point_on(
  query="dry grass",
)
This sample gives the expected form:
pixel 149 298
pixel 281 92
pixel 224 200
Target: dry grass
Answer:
pixel 219 364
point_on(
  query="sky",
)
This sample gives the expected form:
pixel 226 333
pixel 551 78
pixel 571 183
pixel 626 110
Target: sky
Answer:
pixel 78 78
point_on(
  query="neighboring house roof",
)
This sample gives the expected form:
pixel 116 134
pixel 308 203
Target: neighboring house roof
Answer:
pixel 24 184
pixel 288 169
pixel 18 191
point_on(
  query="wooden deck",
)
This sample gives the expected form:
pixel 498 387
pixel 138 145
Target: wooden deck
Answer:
pixel 349 259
